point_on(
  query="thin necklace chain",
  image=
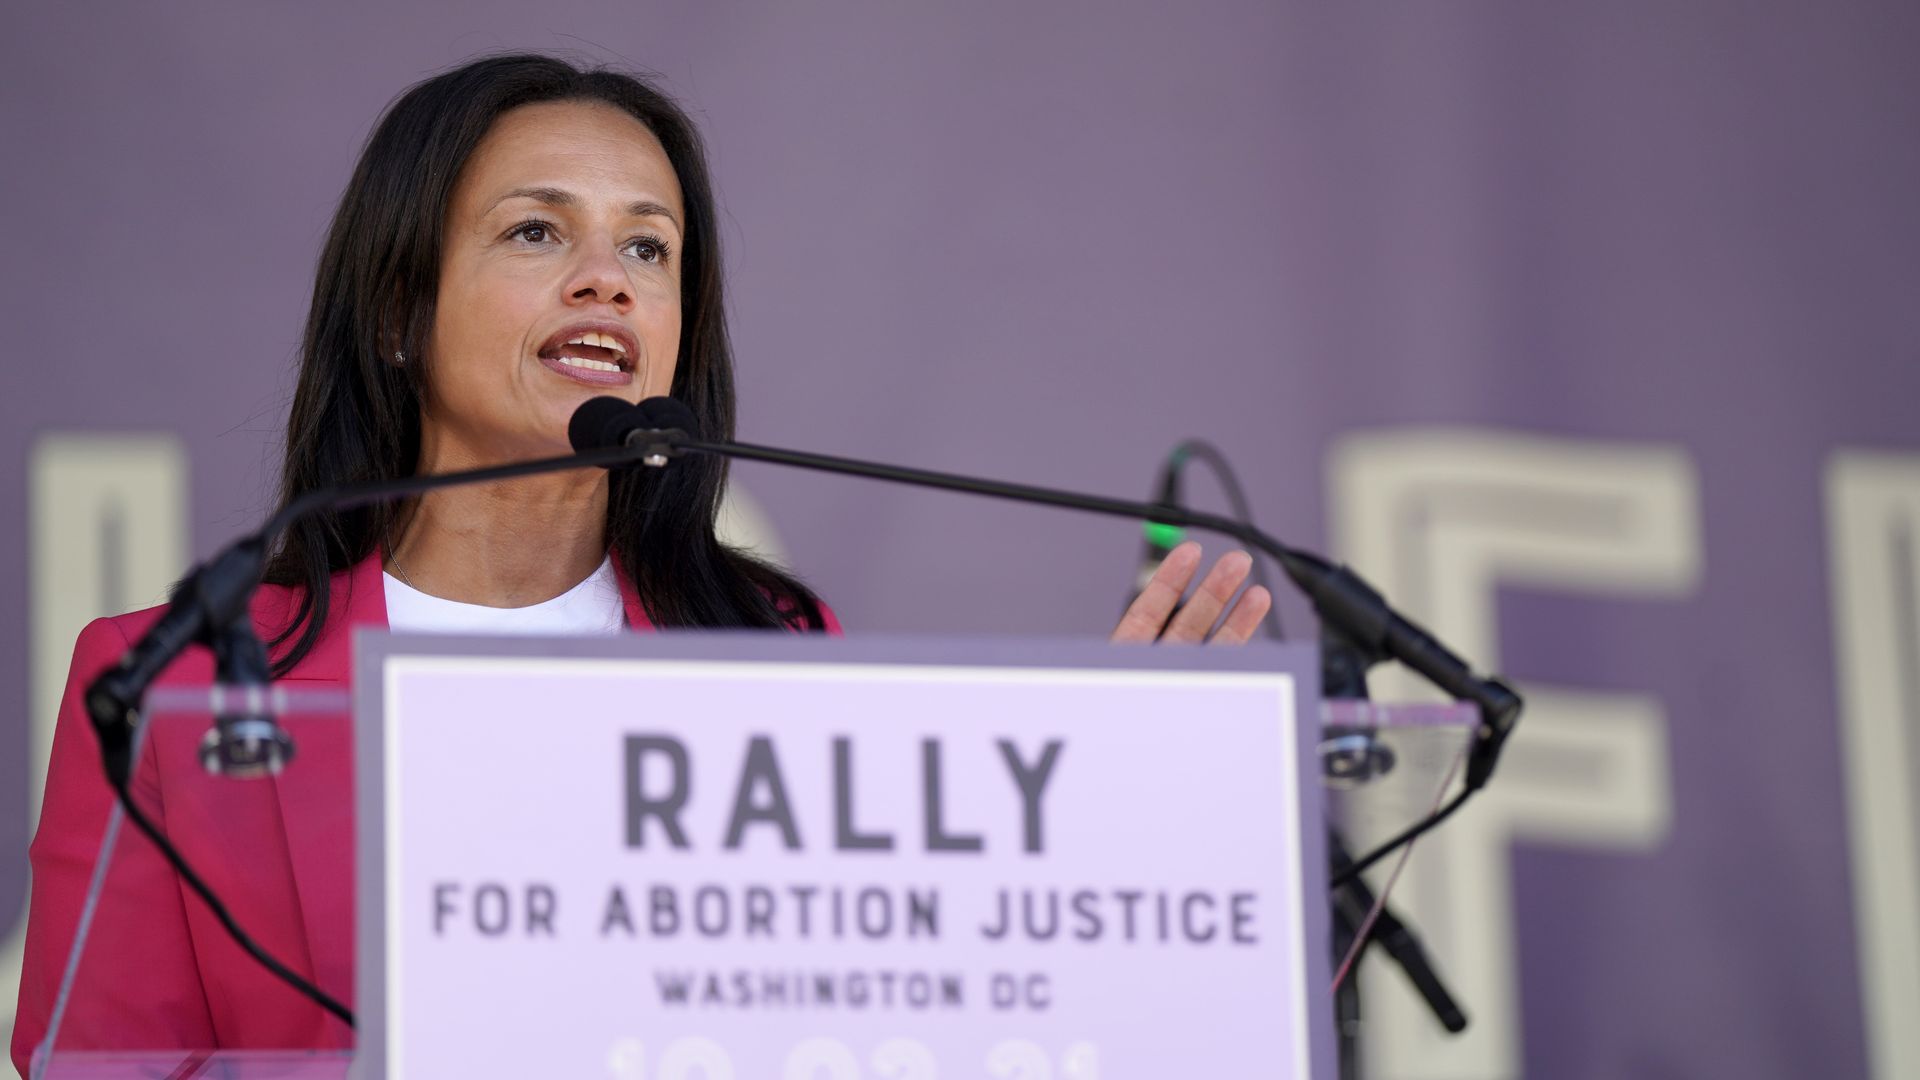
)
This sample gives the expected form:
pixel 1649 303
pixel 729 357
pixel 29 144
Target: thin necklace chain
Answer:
pixel 398 570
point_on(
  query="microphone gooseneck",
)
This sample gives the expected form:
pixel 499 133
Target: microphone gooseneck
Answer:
pixel 212 598
pixel 1369 629
pixel 215 593
pixel 210 607
pixel 1358 625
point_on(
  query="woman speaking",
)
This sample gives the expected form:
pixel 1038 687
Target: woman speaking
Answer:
pixel 519 235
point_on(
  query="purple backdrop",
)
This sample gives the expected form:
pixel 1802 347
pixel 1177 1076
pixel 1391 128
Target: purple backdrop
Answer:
pixel 1045 243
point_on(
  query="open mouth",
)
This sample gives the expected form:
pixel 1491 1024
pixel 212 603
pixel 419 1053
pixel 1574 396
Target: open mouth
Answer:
pixel 589 350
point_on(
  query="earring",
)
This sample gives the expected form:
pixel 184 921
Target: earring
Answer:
pixel 399 357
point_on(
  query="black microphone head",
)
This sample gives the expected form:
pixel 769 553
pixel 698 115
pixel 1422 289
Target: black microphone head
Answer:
pixel 662 413
pixel 599 423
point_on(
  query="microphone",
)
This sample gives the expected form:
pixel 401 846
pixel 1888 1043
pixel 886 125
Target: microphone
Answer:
pixel 610 422
pixel 210 606
pixel 210 600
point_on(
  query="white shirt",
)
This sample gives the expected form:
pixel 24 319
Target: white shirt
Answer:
pixel 593 607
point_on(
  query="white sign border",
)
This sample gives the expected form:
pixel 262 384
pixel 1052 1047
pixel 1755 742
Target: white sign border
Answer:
pixel 1050 662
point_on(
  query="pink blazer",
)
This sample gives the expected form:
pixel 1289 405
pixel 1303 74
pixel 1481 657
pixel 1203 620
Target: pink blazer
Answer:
pixel 159 971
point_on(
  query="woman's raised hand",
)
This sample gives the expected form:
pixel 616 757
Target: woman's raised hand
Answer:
pixel 1146 619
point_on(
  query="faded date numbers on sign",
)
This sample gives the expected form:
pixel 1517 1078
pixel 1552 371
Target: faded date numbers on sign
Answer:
pixel 830 1059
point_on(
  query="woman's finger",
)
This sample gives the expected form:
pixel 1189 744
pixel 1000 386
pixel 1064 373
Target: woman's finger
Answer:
pixel 1244 620
pixel 1148 612
pixel 1191 623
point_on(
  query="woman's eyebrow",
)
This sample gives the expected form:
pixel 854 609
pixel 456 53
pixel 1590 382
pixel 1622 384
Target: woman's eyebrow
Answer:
pixel 643 208
pixel 550 196
pixel 546 196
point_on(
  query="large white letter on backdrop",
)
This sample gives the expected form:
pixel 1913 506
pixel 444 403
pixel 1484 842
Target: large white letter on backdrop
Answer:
pixel 1873 541
pixel 107 524
pixel 1438 520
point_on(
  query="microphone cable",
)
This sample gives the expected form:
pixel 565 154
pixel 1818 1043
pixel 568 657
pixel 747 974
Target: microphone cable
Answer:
pixel 125 808
pixel 240 937
pixel 1161 538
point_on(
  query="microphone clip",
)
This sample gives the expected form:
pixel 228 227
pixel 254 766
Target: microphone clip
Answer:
pixel 656 445
pixel 246 742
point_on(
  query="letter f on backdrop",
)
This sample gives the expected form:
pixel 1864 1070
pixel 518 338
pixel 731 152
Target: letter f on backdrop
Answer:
pixel 1439 520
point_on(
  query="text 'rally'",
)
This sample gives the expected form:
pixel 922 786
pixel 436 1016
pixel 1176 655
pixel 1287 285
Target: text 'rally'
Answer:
pixel 658 787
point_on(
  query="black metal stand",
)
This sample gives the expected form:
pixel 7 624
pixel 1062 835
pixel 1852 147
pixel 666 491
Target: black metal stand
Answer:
pixel 1343 676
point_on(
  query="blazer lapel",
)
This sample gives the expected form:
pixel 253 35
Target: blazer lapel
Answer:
pixel 316 790
pixel 629 596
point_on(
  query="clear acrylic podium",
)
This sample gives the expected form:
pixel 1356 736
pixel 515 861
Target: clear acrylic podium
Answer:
pixel 1383 766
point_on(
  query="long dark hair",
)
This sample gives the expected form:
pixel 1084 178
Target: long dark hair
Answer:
pixel 356 415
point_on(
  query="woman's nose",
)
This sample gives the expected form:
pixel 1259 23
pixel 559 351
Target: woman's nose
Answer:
pixel 599 275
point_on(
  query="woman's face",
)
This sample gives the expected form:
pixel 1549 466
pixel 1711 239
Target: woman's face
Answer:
pixel 559 281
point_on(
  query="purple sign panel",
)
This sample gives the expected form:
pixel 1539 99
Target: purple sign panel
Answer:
pixel 726 858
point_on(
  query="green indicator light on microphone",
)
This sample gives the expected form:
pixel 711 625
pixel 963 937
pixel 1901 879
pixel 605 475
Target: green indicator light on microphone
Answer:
pixel 1163 535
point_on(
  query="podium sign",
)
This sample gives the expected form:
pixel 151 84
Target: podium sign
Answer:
pixel 713 856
